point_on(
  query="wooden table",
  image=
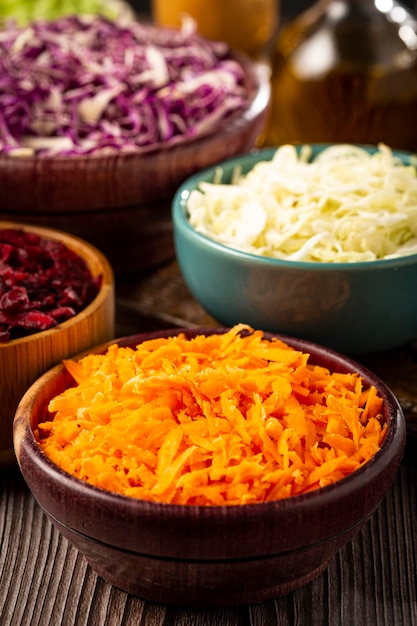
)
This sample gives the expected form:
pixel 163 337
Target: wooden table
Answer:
pixel 44 581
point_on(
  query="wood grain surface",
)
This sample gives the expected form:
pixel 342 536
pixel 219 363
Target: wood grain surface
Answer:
pixel 371 582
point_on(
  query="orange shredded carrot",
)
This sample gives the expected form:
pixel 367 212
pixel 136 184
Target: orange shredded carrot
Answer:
pixel 221 419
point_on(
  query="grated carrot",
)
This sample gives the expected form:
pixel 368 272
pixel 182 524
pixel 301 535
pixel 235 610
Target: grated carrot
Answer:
pixel 221 419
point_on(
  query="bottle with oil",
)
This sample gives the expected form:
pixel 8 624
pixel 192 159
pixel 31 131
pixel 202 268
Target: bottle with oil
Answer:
pixel 346 71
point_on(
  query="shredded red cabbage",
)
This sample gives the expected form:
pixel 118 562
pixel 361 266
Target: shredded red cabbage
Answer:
pixel 79 85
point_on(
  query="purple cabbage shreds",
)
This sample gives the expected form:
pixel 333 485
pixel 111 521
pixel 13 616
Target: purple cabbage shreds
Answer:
pixel 80 85
pixel 42 283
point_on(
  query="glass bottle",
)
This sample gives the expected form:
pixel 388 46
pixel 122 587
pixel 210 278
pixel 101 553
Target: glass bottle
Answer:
pixel 346 71
pixel 246 25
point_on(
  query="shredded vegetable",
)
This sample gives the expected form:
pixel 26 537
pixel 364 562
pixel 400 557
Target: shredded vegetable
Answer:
pixel 42 283
pixel 83 84
pixel 24 11
pixel 219 419
pixel 346 205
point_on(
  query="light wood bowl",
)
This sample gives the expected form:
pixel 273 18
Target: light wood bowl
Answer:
pixel 23 360
pixel 121 203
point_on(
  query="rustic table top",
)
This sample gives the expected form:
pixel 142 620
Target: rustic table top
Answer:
pixel 44 581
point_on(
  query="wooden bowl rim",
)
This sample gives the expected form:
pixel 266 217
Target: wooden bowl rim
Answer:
pixel 78 245
pixel 392 447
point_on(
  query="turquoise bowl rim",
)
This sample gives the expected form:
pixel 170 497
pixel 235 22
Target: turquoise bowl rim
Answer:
pixel 247 161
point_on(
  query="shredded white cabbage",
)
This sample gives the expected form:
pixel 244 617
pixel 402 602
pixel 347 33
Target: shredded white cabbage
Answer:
pixel 347 205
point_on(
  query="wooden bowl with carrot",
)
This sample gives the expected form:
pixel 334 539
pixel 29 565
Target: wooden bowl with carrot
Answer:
pixel 56 299
pixel 209 467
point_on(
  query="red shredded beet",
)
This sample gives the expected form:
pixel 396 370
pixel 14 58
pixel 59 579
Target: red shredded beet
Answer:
pixel 42 283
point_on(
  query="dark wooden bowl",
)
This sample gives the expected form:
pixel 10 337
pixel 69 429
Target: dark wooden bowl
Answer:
pixel 121 203
pixel 207 556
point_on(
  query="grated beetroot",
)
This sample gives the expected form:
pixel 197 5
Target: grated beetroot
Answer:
pixel 42 283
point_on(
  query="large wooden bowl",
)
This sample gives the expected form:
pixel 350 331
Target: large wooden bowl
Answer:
pixel 121 203
pixel 23 360
pixel 213 555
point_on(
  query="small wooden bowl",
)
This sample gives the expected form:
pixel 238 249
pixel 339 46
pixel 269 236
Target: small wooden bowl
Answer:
pixel 121 203
pixel 215 555
pixel 23 360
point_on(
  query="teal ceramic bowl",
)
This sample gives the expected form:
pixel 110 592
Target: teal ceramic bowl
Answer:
pixel 355 308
